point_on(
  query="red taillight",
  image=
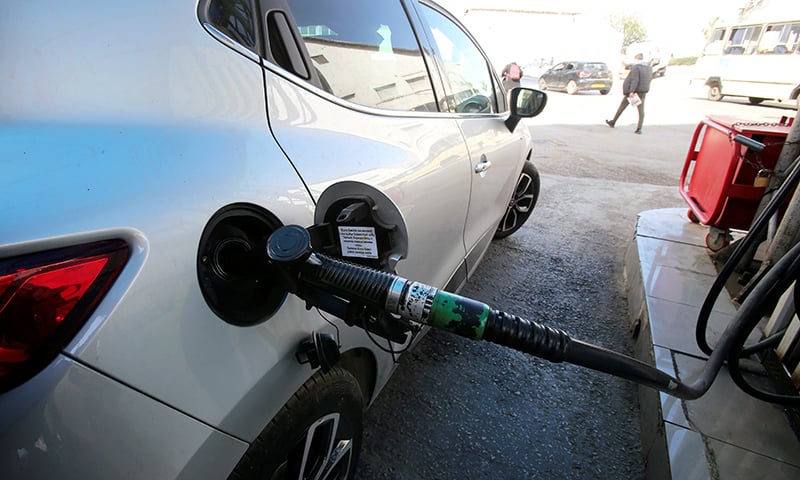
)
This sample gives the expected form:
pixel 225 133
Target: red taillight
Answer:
pixel 584 74
pixel 45 298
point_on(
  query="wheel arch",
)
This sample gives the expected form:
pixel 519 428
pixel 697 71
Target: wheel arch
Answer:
pixel 714 81
pixel 522 203
pixel 309 407
pixel 362 364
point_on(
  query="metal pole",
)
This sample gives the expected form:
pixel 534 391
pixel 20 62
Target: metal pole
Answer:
pixel 786 235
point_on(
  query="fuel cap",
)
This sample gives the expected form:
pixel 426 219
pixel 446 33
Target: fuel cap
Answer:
pixel 289 243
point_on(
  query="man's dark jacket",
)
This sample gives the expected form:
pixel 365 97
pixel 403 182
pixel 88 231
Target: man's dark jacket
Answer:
pixel 638 80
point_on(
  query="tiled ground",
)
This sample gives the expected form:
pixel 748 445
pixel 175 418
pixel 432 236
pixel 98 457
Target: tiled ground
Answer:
pixel 725 434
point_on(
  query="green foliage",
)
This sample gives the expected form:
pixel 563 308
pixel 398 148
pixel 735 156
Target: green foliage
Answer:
pixel 631 28
pixel 683 60
pixel 709 29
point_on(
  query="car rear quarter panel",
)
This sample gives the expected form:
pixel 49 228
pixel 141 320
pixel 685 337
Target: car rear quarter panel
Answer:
pixel 51 426
pixel 125 119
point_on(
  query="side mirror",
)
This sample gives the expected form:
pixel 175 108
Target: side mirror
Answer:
pixel 525 103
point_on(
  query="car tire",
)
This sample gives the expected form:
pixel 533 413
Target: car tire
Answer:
pixel 755 100
pixel 542 84
pixel 714 92
pixel 604 92
pixel 572 87
pixel 522 202
pixel 318 430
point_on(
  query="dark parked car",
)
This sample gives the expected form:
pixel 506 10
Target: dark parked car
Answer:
pixel 573 77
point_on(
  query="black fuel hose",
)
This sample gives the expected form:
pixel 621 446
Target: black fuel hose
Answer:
pixel 417 303
pixel 763 296
pixel 743 246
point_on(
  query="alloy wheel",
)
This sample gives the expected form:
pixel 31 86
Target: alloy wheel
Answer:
pixel 572 87
pixel 522 202
pixel 319 455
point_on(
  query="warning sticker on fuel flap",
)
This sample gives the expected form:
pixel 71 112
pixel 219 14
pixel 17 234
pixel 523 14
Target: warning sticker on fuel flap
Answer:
pixel 358 242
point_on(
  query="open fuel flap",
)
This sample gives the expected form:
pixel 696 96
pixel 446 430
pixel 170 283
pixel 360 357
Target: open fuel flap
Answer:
pixel 360 224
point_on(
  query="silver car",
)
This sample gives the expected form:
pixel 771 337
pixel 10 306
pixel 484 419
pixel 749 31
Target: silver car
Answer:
pixel 147 152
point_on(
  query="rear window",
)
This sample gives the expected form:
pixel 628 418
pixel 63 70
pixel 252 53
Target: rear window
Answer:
pixel 599 67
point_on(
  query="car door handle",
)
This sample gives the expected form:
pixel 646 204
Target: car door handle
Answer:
pixel 483 165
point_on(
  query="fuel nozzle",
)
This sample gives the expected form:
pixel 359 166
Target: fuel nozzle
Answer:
pixel 357 294
pixel 409 302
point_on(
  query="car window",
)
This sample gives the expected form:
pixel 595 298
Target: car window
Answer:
pixel 371 58
pixel 781 39
pixel 743 40
pixel 234 18
pixel 467 72
pixel 599 67
pixel 715 43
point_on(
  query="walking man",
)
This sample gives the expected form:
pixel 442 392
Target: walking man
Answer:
pixel 637 83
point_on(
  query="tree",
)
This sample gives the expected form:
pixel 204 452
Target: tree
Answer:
pixel 749 7
pixel 708 30
pixel 631 28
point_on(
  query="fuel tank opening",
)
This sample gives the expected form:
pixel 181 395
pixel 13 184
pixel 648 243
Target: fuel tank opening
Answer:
pixel 235 277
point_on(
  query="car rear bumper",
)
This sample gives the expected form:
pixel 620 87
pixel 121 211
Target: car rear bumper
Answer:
pixel 594 84
pixel 73 422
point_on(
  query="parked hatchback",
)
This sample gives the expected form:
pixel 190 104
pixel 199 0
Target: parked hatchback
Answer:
pixel 573 77
pixel 150 148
